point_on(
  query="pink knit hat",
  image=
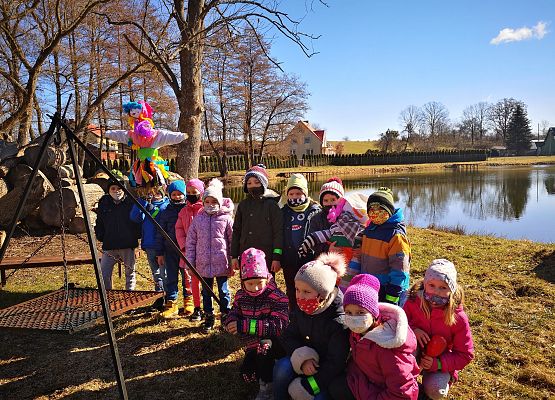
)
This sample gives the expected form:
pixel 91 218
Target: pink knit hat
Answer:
pixel 197 184
pixel 363 292
pixel 253 264
pixel 259 172
pixel 334 186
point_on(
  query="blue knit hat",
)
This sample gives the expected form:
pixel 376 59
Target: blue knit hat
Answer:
pixel 177 185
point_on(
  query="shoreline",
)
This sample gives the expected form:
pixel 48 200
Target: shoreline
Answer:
pixel 235 177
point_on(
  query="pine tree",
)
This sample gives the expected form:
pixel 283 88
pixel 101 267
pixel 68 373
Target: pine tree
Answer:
pixel 519 134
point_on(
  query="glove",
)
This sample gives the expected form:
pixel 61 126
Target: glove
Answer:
pixel 392 293
pixel 297 391
pixel 312 240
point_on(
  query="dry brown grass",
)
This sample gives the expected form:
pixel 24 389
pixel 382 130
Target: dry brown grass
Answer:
pixel 510 294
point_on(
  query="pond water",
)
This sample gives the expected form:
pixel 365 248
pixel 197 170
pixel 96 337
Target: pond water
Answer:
pixel 515 203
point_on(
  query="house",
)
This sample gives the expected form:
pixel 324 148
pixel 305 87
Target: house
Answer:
pixel 92 139
pixel 304 139
pixel 546 147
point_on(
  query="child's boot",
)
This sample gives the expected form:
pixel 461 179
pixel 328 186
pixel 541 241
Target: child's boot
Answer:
pixel 170 309
pixel 208 323
pixel 265 392
pixel 196 315
pixel 188 306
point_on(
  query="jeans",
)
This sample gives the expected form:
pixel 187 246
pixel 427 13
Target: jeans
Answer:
pixel 283 376
pixel 125 256
pixel 223 292
pixel 158 272
pixel 172 276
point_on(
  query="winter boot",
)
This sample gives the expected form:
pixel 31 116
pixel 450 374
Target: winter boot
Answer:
pixel 208 323
pixel 196 315
pixel 170 309
pixel 265 392
pixel 188 306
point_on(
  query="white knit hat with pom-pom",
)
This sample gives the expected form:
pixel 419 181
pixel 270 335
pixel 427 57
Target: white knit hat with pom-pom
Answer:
pixel 323 273
pixel 214 190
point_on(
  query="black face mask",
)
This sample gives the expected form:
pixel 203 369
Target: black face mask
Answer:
pixel 256 191
pixel 326 209
pixel 192 198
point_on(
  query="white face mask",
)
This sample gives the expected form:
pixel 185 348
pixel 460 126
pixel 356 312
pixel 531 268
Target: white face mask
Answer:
pixel 117 196
pixel 211 208
pixel 359 323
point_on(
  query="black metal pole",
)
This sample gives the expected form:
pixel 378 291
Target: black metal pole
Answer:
pixel 47 137
pixel 99 280
pixel 69 133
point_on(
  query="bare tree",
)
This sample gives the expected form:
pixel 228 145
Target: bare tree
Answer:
pixel 500 116
pixel 387 140
pixel 434 118
pixel 410 119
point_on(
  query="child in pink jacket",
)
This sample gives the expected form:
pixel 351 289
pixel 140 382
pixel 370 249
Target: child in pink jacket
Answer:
pixel 208 248
pixel 194 191
pixel 382 364
pixel 435 308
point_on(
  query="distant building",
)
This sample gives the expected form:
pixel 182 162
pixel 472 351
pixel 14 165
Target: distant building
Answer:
pixel 546 147
pixel 92 139
pixel 304 139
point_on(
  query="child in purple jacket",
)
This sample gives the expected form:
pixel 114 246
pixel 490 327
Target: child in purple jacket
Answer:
pixel 259 315
pixel 208 248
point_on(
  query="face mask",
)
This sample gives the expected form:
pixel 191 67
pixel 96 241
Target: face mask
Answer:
pixel 308 306
pixel 211 208
pixel 379 216
pixel 192 198
pixel 256 191
pixel 296 202
pixel 435 299
pixel 177 201
pixel 359 323
pixel 326 209
pixel 257 293
pixel 117 196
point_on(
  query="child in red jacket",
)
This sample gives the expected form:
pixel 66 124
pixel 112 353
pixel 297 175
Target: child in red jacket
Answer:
pixel 435 308
pixel 382 364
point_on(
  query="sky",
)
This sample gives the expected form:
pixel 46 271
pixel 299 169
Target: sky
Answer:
pixel 375 58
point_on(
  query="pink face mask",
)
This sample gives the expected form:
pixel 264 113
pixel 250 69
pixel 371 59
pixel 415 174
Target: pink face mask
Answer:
pixel 308 306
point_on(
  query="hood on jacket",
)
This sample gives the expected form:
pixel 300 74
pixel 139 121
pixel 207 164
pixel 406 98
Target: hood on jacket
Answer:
pixel 226 207
pixel 393 330
pixel 395 220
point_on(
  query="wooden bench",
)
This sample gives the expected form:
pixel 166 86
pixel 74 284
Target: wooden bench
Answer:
pixel 43 261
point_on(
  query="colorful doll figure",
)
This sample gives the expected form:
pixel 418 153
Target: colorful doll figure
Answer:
pixel 149 170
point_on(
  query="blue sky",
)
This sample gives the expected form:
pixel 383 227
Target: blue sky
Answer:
pixel 378 57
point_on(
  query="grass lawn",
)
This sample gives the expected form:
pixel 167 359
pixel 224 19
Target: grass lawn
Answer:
pixel 510 300
pixel 356 146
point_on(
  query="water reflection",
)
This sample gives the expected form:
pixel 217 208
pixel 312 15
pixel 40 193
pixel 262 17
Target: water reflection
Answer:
pixel 511 202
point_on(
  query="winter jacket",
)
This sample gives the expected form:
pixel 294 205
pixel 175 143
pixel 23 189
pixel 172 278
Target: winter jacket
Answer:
pixel 259 224
pixel 382 364
pixel 322 335
pixel 460 348
pixel 319 222
pixel 148 229
pixel 385 253
pixel 168 218
pixel 295 221
pixel 184 219
pixel 208 242
pixel 269 311
pixel 113 226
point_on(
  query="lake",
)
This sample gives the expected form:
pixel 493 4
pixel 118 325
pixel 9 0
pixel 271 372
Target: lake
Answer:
pixel 510 202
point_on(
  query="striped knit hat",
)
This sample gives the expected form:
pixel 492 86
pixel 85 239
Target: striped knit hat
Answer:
pixel 334 186
pixel 259 172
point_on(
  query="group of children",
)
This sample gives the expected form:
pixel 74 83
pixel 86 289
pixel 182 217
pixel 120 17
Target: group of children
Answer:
pixel 348 327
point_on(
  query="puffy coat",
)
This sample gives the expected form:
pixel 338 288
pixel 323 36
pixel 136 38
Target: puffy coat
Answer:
pixel 184 220
pixel 148 229
pixel 270 310
pixel 323 334
pixel 208 242
pixel 113 226
pixel 168 218
pixel 295 221
pixel 382 364
pixel 460 347
pixel 259 224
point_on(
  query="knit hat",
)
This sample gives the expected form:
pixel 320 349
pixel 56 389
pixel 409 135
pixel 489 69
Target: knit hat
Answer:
pixel 334 186
pixel 197 184
pixel 253 264
pixel 384 196
pixel 214 190
pixel 323 273
pixel 259 172
pixel 114 182
pixel 443 270
pixel 178 185
pixel 298 181
pixel 363 292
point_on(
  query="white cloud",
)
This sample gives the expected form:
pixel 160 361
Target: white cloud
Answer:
pixel 516 35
